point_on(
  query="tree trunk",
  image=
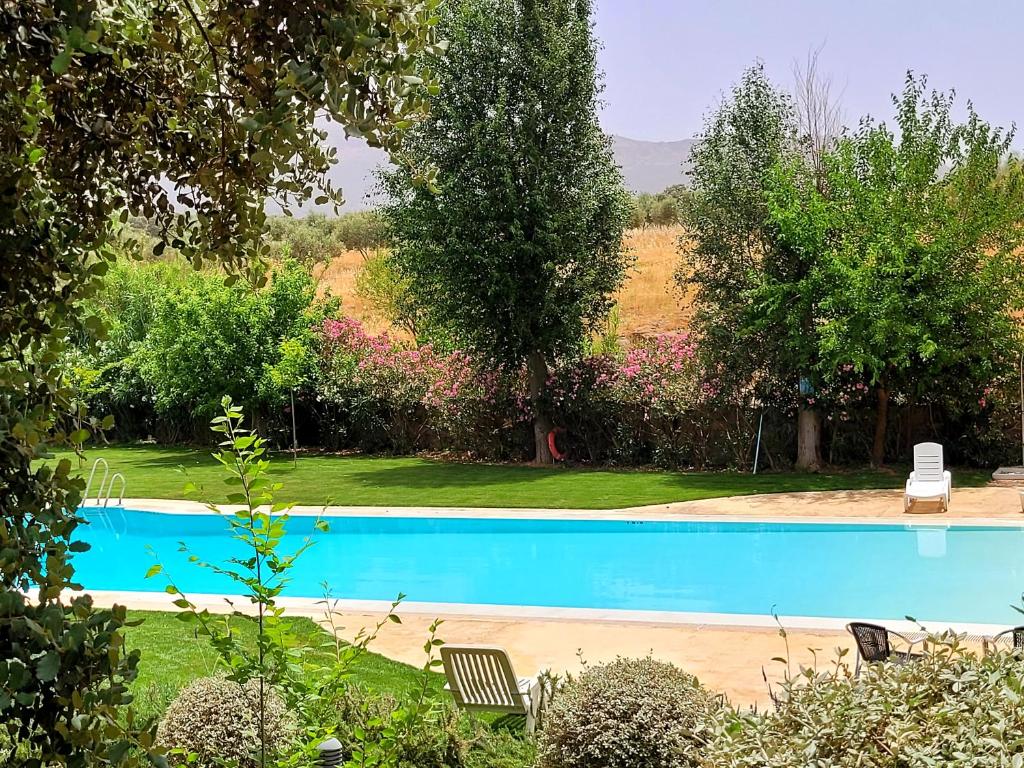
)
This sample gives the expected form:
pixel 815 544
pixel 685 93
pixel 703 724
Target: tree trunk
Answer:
pixel 537 368
pixel 881 425
pixel 808 440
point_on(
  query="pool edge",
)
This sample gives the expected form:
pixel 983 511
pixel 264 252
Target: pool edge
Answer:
pixel 653 513
pixel 315 608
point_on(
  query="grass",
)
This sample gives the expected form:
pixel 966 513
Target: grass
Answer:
pixel 172 655
pixel 649 301
pixel 373 481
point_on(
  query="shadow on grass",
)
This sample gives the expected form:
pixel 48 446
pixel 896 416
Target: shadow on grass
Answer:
pixel 437 474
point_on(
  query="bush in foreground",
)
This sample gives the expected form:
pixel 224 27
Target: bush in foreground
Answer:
pixel 951 708
pixel 632 713
pixel 443 738
pixel 217 720
pixel 363 717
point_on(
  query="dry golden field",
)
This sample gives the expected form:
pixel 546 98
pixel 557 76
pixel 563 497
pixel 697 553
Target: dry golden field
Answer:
pixel 649 302
pixel 339 277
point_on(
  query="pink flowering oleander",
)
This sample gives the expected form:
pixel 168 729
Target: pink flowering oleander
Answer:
pixel 403 376
pixel 659 375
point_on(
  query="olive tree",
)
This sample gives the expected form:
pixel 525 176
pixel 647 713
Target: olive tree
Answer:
pixel 190 115
pixel 518 250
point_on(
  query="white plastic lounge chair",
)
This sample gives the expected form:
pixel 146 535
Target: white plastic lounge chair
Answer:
pixel 480 677
pixel 929 480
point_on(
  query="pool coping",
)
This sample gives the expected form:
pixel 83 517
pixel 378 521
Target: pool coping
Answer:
pixel 652 513
pixel 316 607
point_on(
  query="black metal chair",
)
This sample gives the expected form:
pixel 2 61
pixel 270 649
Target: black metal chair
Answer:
pixel 1016 635
pixel 873 645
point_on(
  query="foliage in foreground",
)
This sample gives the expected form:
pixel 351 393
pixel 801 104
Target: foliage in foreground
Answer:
pixel 214 719
pixel 953 706
pixel 275 668
pixel 100 102
pixel 631 713
pixel 950 708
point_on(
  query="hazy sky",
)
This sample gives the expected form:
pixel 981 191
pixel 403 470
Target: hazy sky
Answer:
pixel 666 62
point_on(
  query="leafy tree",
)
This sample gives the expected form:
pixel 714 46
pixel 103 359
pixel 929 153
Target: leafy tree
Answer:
pixel 100 103
pixel 309 240
pixel 520 249
pixel 208 339
pixel 380 284
pixel 916 241
pixel 660 210
pixel 316 239
pixel 124 308
pixel 755 295
pixel 361 231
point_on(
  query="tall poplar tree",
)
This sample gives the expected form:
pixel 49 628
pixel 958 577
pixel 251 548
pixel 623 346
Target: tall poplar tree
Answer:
pixel 518 249
pixel 756 297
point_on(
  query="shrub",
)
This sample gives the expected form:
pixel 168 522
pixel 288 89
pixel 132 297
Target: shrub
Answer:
pixel 632 713
pixel 397 398
pixel 217 720
pixel 435 742
pixel 179 340
pixel 443 738
pixel 951 708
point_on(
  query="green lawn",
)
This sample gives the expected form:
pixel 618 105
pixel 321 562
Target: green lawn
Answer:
pixel 172 655
pixel 153 472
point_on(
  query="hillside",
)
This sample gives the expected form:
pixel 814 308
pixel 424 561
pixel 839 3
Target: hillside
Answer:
pixel 649 303
pixel 651 166
pixel 647 166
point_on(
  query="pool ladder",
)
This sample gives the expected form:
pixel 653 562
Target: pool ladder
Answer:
pixel 106 490
pixel 104 494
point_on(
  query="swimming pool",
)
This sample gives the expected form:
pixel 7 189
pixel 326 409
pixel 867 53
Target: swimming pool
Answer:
pixel 969 574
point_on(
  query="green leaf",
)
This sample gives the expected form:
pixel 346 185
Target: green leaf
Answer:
pixel 61 61
pixel 48 666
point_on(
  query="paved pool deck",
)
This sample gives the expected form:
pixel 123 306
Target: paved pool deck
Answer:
pixel 973 506
pixel 733 659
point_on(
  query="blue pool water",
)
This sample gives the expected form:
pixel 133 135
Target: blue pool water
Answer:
pixel 960 574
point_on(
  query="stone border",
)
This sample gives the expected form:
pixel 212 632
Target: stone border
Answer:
pixel 315 608
pixel 657 513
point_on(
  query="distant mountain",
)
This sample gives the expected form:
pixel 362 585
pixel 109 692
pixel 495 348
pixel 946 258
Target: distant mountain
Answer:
pixel 651 166
pixel 647 166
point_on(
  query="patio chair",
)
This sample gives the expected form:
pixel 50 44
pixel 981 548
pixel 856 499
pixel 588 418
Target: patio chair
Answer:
pixel 1015 635
pixel 873 645
pixel 480 677
pixel 930 480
